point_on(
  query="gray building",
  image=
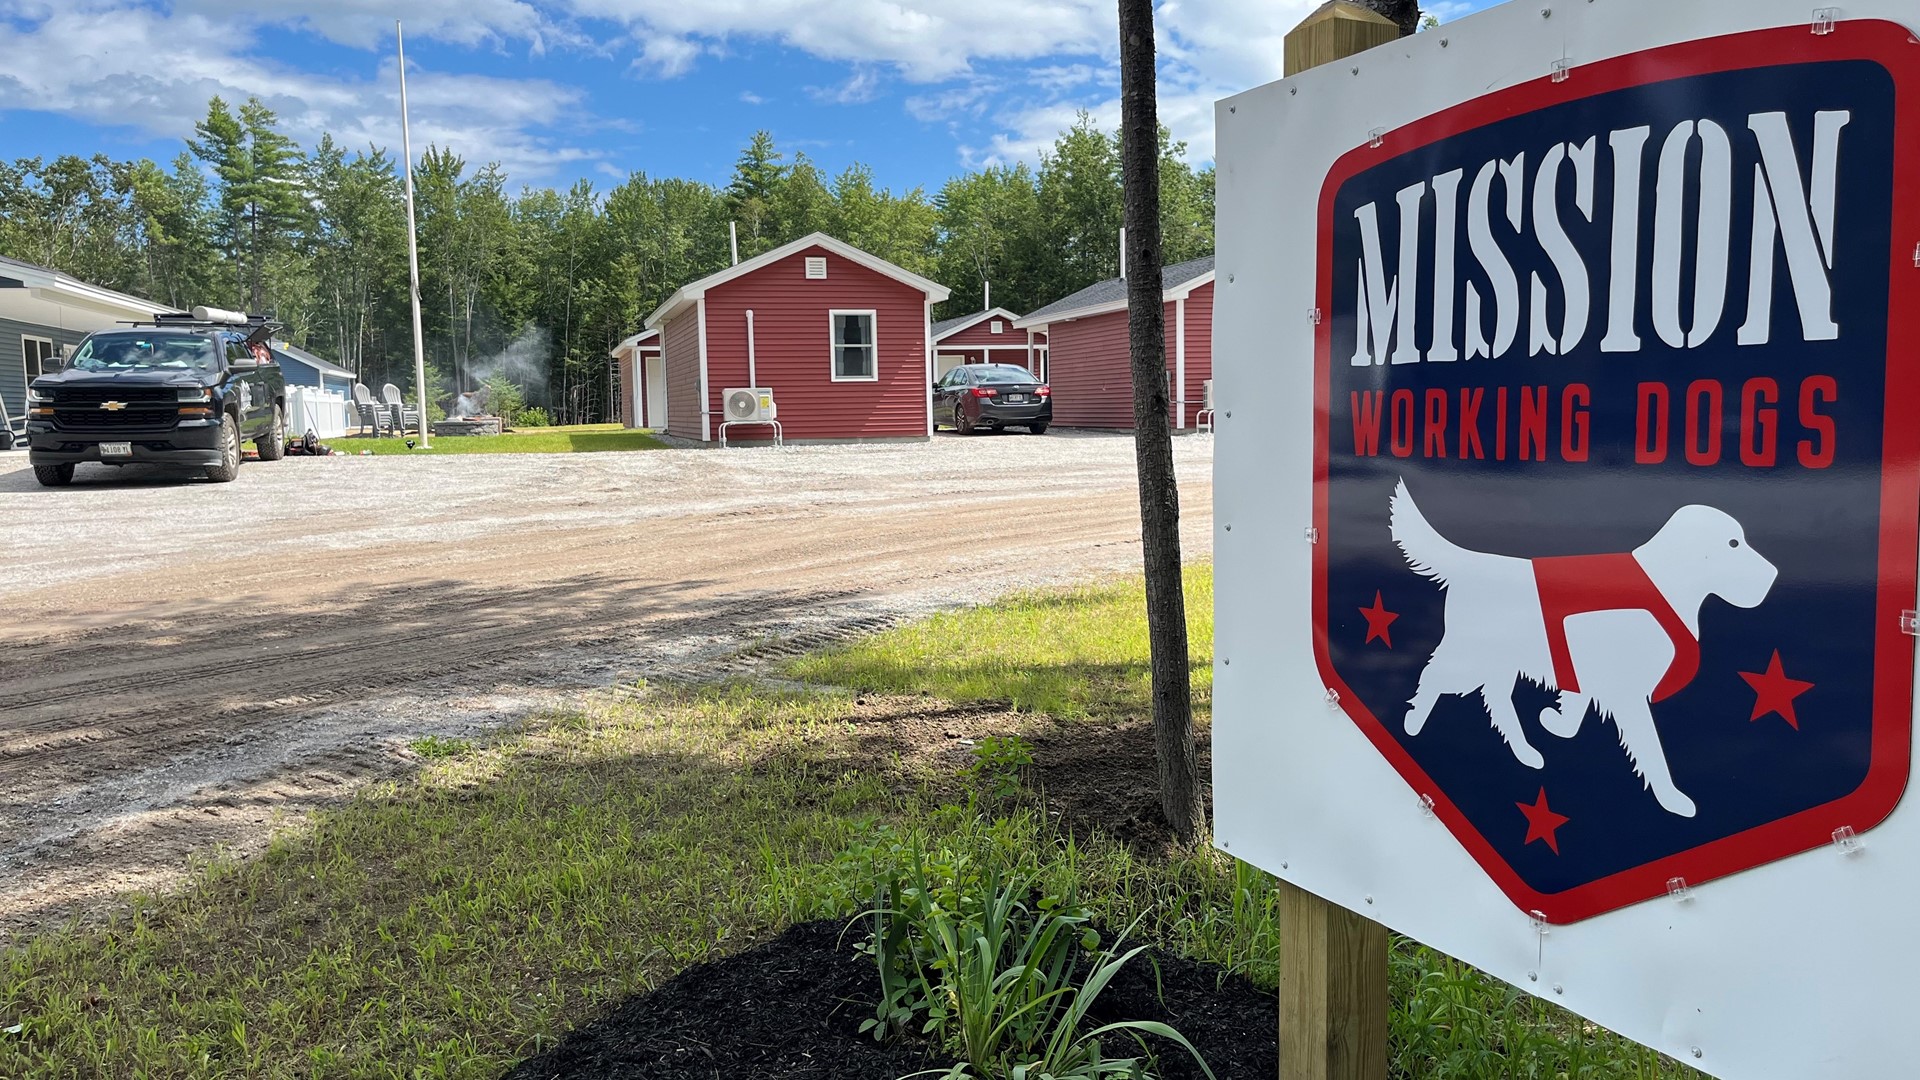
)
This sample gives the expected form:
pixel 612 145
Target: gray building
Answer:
pixel 42 310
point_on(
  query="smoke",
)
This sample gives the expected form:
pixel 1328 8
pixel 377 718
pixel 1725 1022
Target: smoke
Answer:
pixel 523 361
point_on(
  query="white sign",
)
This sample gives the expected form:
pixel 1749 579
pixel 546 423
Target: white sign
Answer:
pixel 1567 498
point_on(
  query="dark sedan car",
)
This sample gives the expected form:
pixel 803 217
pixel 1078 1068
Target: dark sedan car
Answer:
pixel 976 396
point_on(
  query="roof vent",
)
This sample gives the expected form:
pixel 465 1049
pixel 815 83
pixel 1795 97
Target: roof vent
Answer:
pixel 816 268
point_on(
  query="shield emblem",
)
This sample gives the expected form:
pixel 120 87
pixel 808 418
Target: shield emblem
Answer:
pixel 1615 493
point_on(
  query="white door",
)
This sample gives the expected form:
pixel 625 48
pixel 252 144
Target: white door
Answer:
pixel 944 364
pixel 657 392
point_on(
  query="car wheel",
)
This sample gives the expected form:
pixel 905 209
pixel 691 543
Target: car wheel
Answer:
pixel 54 475
pixel 1037 429
pixel 6 436
pixel 229 466
pixel 273 443
pixel 962 423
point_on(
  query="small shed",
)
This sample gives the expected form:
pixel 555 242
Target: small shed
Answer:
pixel 40 311
pixel 1087 357
pixel 302 368
pixel 641 372
pixel 984 337
pixel 841 337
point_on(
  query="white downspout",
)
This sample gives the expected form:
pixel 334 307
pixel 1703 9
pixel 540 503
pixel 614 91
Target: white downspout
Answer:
pixel 1180 362
pixel 926 335
pixel 753 371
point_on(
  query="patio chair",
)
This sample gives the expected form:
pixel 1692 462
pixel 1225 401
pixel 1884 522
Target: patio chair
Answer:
pixel 371 413
pixel 404 416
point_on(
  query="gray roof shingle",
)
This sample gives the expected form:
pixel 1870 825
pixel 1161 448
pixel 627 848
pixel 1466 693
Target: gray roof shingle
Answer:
pixel 1114 290
pixel 945 325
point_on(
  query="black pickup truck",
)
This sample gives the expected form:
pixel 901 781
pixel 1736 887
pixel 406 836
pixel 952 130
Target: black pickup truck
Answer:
pixel 182 390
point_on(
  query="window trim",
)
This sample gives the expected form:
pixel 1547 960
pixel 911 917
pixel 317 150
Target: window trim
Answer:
pixel 834 347
pixel 52 351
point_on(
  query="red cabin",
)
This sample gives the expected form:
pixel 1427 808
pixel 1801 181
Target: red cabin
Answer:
pixel 642 380
pixel 986 337
pixel 840 339
pixel 1087 359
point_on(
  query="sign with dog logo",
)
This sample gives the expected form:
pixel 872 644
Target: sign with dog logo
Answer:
pixel 1566 490
pixel 1617 501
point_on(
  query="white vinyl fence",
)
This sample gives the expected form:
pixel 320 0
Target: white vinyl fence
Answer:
pixel 327 413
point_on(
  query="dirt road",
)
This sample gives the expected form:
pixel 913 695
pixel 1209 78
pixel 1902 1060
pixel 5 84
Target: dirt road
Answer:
pixel 183 665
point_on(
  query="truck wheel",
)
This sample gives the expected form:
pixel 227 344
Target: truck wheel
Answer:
pixel 272 443
pixel 6 435
pixel 54 475
pixel 229 466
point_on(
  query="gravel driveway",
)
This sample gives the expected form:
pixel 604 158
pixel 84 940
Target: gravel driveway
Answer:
pixel 186 664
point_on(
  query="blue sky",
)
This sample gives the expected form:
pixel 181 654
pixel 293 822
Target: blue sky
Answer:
pixel 556 90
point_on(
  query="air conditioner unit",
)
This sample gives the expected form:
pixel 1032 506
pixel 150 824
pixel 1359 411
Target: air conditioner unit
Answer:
pixel 750 405
pixel 1206 395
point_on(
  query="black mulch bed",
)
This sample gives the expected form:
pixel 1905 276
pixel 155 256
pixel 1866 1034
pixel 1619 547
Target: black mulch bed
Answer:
pixel 792 1008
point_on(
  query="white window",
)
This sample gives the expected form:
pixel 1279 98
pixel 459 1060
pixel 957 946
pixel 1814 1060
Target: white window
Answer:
pixel 855 356
pixel 996 327
pixel 37 353
pixel 816 268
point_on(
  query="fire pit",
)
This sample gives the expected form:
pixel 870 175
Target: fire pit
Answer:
pixel 468 416
pixel 467 425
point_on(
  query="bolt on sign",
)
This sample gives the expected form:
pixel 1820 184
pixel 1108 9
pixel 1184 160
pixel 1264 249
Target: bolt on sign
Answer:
pixel 1578 547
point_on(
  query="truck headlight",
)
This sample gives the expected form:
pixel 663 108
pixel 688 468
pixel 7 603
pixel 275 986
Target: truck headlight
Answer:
pixel 35 397
pixel 195 395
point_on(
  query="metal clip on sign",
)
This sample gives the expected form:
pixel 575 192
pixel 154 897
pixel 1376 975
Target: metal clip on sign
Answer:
pixel 1823 20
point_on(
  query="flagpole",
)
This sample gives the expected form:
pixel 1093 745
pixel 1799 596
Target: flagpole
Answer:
pixel 413 248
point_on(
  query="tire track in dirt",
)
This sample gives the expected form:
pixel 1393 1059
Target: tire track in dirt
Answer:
pixel 148 714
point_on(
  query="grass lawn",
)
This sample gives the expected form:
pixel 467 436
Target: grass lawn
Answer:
pixel 577 439
pixel 451 923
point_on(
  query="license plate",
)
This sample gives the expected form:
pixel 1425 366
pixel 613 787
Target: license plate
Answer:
pixel 1016 399
pixel 116 449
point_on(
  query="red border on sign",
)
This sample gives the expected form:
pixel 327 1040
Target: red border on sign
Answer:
pixel 1889 45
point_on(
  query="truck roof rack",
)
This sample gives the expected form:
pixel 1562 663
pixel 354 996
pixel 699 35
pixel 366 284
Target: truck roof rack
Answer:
pixel 257 327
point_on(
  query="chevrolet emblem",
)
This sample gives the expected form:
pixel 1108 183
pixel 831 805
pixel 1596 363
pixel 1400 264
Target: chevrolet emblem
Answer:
pixel 113 406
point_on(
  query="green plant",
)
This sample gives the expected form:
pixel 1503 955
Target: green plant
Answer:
pixel 995 964
pixel 504 396
pixel 532 417
pixel 433 747
pixel 997 761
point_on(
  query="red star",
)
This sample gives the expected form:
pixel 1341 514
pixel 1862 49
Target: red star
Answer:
pixel 1541 822
pixel 1774 692
pixel 1378 620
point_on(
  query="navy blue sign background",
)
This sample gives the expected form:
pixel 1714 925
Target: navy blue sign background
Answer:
pixel 1819 526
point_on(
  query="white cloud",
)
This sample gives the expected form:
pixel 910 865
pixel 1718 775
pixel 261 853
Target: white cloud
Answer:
pixel 861 87
pixel 954 103
pixel 666 56
pixel 154 73
pixel 1005 75
pixel 925 40
pixel 369 23
pixel 1060 77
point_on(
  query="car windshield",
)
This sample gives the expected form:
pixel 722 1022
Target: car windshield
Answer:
pixel 1002 373
pixel 146 352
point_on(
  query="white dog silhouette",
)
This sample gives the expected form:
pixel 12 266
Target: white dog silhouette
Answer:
pixel 1619 631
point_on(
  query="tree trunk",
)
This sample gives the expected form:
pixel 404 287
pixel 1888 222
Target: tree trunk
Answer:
pixel 1153 436
pixel 1404 12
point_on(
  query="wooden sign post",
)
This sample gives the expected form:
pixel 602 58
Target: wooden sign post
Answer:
pixel 1333 963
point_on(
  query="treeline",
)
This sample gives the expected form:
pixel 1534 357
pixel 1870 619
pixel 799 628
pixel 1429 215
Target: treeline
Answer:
pixel 245 217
